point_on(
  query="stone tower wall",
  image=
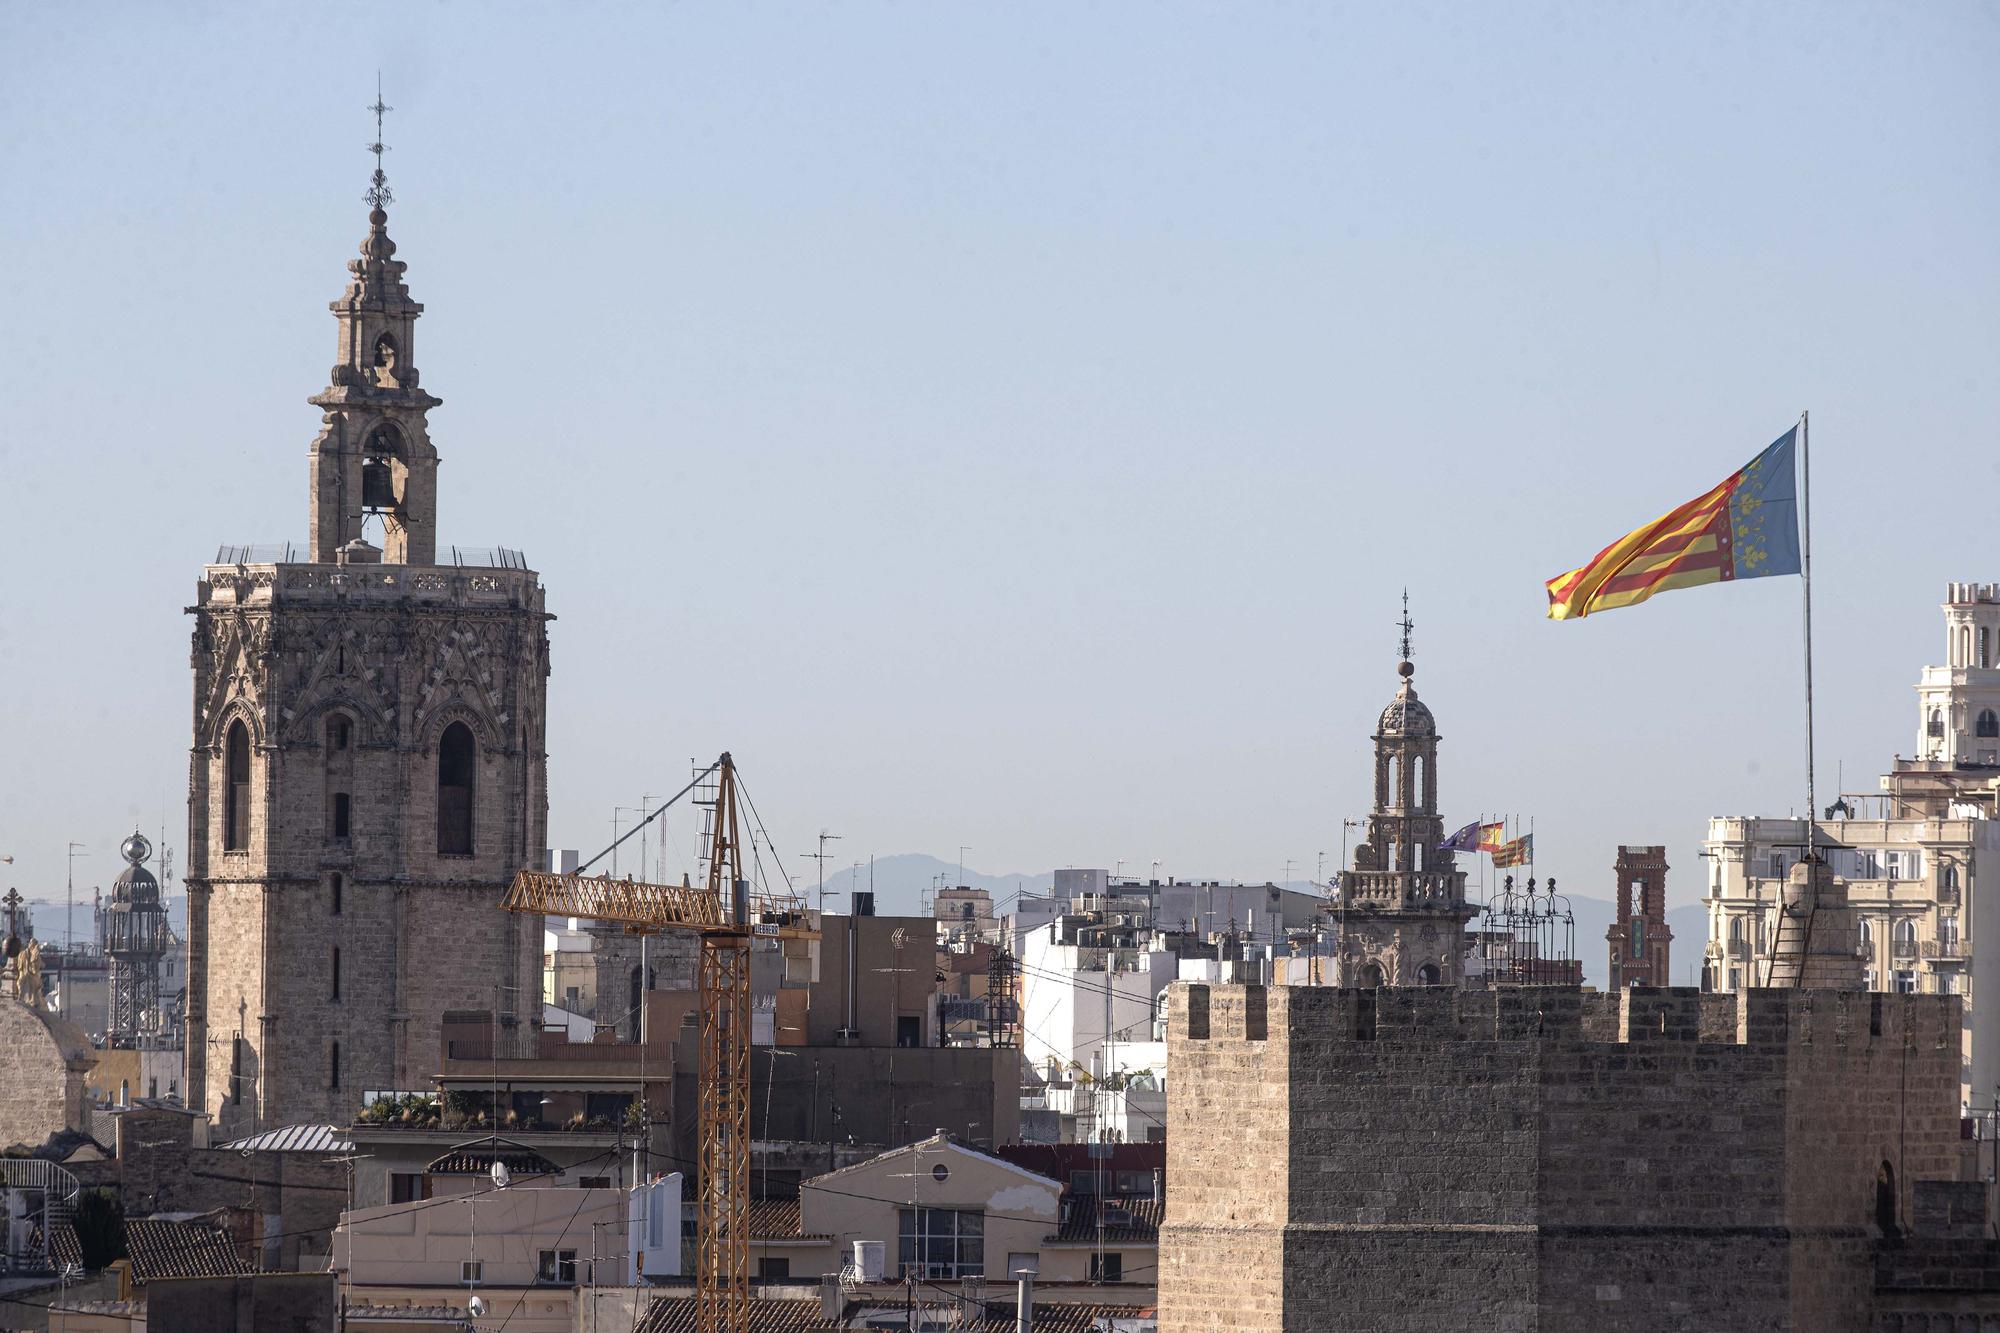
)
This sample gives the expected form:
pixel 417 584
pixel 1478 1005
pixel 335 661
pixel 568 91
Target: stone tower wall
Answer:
pixel 401 654
pixel 1537 1158
pixel 1229 1127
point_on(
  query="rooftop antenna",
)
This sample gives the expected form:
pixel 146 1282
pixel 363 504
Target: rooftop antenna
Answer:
pixel 378 195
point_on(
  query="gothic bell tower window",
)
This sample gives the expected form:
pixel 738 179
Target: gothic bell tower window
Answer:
pixel 458 757
pixel 1989 722
pixel 236 789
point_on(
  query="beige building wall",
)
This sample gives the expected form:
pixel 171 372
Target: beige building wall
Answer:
pixel 415 1253
pixel 865 1202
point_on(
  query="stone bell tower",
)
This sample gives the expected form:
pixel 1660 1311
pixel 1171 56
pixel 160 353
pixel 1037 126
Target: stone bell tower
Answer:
pixel 369 766
pixel 1402 905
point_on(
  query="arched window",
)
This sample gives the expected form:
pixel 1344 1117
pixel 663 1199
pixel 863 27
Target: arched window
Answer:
pixel 1949 879
pixel 1989 722
pixel 1736 930
pixel 1937 722
pixel 1371 976
pixel 458 758
pixel 236 788
pixel 1428 975
pixel 1904 932
pixel 1867 934
pixel 337 732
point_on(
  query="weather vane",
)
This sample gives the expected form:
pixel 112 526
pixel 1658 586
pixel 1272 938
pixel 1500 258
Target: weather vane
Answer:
pixel 1405 625
pixel 378 195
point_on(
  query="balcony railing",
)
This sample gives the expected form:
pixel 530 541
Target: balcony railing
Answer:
pixel 1944 950
pixel 1900 949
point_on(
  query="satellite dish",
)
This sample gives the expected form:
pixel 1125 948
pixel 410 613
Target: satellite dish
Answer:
pixel 476 1306
pixel 501 1177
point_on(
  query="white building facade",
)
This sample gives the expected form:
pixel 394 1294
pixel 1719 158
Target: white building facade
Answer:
pixel 1914 856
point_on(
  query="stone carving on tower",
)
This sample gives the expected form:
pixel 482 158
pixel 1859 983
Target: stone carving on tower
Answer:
pixel 369 763
pixel 1402 904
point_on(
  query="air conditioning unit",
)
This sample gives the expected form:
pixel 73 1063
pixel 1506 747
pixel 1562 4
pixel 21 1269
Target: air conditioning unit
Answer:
pixel 868 1260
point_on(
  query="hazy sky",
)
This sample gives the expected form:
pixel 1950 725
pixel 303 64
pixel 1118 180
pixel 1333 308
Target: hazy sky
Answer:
pixel 1013 426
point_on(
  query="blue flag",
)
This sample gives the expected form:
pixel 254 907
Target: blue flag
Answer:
pixel 1465 840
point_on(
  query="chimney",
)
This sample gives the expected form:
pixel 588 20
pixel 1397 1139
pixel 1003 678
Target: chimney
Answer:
pixel 829 1297
pixel 1024 1308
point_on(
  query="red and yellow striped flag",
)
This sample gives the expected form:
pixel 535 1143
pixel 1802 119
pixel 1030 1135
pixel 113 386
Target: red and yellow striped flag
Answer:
pixel 1744 528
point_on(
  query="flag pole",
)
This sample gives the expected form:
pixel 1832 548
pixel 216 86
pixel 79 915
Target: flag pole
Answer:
pixel 1812 794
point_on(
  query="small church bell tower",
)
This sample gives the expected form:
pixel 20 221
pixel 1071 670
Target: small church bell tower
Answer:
pixel 373 456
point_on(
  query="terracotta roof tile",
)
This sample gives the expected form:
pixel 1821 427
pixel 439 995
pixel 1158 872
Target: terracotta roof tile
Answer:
pixel 676 1314
pixel 774 1219
pixel 160 1249
pixel 1126 1219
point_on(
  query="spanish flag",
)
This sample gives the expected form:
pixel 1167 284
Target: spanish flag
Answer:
pixel 1492 837
pixel 1745 528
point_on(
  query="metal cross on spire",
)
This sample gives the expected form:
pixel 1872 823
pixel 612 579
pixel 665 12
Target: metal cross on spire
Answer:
pixel 13 902
pixel 1406 625
pixel 378 195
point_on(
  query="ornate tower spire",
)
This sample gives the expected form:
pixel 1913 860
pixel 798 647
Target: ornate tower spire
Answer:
pixel 373 457
pixel 379 195
pixel 1405 896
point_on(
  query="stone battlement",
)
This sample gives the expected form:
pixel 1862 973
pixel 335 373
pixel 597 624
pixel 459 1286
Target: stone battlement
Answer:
pixel 253 586
pixel 1544 1158
pixel 1637 1016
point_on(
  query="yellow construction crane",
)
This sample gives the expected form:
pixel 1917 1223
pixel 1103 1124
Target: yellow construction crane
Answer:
pixel 727 915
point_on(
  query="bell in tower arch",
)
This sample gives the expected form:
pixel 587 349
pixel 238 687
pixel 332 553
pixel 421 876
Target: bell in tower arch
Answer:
pixel 378 484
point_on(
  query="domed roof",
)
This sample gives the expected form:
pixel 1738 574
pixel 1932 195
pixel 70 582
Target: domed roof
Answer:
pixel 135 884
pixel 1407 715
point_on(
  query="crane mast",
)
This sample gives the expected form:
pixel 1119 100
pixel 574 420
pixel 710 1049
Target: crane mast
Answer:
pixel 727 916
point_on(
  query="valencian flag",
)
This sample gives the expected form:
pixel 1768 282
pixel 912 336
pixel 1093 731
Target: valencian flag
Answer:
pixel 1745 528
pixel 1492 837
pixel 1516 853
pixel 1465 840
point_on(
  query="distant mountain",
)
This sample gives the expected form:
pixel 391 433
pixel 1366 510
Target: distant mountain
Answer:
pixel 47 915
pixel 1594 916
pixel 902 881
